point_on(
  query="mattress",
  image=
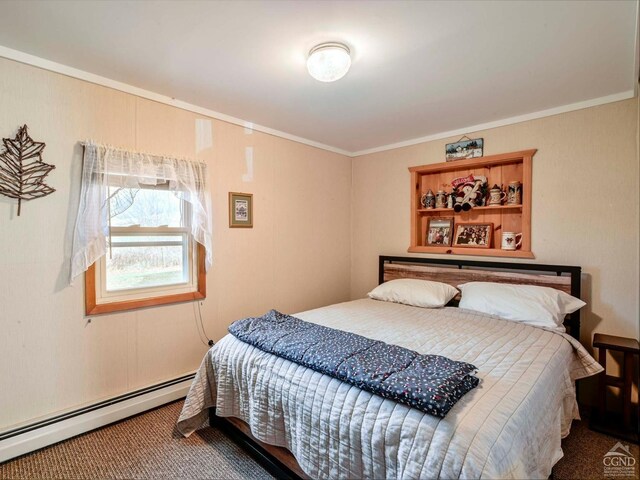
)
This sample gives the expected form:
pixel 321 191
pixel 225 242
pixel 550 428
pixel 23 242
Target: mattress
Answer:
pixel 510 426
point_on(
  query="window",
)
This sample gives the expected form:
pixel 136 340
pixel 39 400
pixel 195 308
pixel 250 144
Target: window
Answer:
pixel 143 230
pixel 151 256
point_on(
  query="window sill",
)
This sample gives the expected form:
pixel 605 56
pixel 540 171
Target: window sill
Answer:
pixel 93 308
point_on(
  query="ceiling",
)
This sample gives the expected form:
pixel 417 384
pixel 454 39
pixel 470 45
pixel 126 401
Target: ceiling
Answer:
pixel 419 68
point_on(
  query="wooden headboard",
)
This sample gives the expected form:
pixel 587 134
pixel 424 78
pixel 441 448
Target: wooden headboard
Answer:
pixel 455 272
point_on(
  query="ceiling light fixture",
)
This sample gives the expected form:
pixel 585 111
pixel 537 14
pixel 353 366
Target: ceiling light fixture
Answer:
pixel 329 61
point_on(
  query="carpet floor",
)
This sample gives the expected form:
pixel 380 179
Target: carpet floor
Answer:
pixel 145 446
pixel 148 446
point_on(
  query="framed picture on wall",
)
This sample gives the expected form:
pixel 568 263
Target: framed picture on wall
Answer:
pixel 439 231
pixel 240 210
pixel 476 235
pixel 464 148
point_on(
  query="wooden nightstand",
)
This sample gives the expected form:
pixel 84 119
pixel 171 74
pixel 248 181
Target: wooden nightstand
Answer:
pixel 627 426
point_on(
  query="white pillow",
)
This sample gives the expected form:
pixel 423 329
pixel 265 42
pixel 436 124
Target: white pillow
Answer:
pixel 537 306
pixel 411 291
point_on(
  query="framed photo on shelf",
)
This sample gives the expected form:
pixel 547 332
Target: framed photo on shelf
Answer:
pixel 240 210
pixel 439 231
pixel 475 235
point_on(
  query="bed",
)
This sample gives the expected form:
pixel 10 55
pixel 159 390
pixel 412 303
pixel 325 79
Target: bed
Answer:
pixel 309 425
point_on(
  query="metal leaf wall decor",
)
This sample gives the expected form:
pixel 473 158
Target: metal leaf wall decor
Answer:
pixel 22 171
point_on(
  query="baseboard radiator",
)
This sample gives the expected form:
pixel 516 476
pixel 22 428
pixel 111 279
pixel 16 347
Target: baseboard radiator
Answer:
pixel 35 436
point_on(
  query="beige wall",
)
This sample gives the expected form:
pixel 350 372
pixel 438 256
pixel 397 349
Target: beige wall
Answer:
pixel 296 257
pixel 585 205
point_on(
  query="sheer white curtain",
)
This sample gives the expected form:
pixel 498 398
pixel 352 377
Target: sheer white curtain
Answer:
pixel 105 166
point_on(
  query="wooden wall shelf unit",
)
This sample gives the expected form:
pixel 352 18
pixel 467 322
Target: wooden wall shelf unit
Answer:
pixel 499 169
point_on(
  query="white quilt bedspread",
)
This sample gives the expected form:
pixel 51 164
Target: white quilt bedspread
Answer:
pixel 509 426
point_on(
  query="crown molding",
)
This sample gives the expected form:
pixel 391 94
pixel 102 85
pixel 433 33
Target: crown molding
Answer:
pixel 45 64
pixel 616 97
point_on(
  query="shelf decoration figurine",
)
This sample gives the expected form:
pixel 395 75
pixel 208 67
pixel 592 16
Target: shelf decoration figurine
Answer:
pixel 514 193
pixel 22 171
pixel 496 195
pixel 428 200
pixel 450 200
pixel 469 191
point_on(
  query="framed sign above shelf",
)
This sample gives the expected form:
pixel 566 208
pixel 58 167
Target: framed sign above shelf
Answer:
pixel 514 217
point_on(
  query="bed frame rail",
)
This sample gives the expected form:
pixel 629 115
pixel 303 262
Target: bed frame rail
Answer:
pixel 276 460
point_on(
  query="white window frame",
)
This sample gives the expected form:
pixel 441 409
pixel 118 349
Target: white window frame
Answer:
pixel 189 257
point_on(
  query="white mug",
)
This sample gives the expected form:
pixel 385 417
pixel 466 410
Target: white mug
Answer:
pixel 510 240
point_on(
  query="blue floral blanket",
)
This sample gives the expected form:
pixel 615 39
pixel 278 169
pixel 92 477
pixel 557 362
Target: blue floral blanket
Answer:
pixel 430 383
